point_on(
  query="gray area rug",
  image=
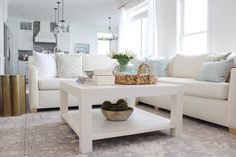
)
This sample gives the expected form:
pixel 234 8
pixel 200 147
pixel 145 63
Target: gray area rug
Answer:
pixel 43 135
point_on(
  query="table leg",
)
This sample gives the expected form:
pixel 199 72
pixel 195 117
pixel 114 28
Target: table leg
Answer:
pixel 64 103
pixel 177 114
pixel 131 102
pixel 85 125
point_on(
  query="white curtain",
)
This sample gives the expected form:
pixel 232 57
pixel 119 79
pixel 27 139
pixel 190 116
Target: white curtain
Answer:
pixel 123 26
pixel 151 46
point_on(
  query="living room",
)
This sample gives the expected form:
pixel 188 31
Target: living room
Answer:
pixel 117 78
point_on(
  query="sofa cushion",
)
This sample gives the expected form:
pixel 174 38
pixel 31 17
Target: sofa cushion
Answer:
pixel 137 61
pixel 232 56
pixel 52 83
pixel 200 88
pixel 215 71
pixel 216 57
pixel 98 62
pixel 69 65
pixel 46 64
pixel 186 66
pixel 159 66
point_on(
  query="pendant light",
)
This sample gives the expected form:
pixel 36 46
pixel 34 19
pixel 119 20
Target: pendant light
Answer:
pixel 58 13
pixel 60 23
pixel 109 35
pixel 62 12
pixel 55 15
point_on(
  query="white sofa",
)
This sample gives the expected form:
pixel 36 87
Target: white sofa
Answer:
pixel 45 93
pixel 209 101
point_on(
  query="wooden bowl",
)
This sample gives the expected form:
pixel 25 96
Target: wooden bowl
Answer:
pixel 117 115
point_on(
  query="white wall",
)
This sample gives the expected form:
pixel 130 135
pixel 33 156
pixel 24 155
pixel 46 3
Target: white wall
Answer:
pixel 14 26
pixel 3 18
pixel 1 27
pixel 5 10
pixel 87 34
pixel 222 25
pixel 167 27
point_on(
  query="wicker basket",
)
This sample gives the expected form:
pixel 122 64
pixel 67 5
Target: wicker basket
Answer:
pixel 137 79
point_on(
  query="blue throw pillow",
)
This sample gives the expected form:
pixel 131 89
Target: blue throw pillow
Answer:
pixel 158 66
pixel 215 71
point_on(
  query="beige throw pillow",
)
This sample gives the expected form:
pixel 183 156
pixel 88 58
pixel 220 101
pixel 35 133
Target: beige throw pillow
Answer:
pixel 69 65
pixel 217 57
pixel 232 56
pixel 187 66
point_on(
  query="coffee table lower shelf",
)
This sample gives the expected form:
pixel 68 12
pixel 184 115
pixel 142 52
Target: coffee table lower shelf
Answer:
pixel 139 122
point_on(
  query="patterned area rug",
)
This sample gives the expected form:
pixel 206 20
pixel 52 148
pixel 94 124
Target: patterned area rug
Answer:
pixel 43 135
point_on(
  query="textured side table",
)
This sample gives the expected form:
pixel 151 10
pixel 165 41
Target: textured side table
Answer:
pixel 12 95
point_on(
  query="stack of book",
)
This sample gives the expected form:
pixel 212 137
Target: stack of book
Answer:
pixel 103 77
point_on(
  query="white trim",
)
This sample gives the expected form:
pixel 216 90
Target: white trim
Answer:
pixel 140 16
pixel 182 34
pixel 209 26
pixel 137 6
pixel 195 33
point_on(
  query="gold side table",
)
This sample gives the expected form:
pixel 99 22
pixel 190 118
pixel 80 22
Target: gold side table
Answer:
pixel 12 95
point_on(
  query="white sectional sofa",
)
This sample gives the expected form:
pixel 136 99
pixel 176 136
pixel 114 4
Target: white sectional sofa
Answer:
pixel 209 101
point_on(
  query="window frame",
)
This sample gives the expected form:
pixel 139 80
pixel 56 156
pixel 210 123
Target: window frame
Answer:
pixel 141 17
pixel 181 27
pixel 97 43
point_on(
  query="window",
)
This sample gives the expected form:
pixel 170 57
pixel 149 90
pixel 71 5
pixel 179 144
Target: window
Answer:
pixel 136 28
pixel 103 45
pixel 193 26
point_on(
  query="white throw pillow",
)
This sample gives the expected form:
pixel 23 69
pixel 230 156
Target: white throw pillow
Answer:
pixel 69 65
pixel 46 65
pixel 188 66
pixel 232 56
pixel 98 62
pixel 137 61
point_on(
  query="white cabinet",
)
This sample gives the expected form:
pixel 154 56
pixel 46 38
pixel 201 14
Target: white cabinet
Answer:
pixel 26 40
pixel 63 41
pixel 23 68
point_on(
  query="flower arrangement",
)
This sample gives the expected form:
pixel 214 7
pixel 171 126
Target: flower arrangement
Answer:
pixel 122 57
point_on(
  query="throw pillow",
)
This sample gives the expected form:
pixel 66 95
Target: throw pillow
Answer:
pixel 46 65
pixel 187 66
pixel 98 62
pixel 137 61
pixel 69 65
pixel 158 66
pixel 215 71
pixel 217 57
pixel 232 56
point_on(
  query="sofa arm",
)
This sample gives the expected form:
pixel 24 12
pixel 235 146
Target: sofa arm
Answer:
pixel 33 88
pixel 232 100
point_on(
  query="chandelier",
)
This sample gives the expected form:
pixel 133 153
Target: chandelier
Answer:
pixel 109 35
pixel 60 23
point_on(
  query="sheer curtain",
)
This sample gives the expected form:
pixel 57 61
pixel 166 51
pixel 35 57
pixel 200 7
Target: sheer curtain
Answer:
pixel 123 26
pixel 151 46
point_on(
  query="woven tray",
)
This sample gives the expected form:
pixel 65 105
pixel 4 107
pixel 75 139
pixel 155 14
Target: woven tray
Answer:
pixel 137 79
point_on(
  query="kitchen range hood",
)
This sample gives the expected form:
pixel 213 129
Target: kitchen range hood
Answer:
pixel 45 35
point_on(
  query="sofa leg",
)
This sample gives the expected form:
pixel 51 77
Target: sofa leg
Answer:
pixel 157 108
pixel 33 110
pixel 232 131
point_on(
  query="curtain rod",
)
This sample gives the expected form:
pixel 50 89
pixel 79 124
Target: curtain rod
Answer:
pixel 125 4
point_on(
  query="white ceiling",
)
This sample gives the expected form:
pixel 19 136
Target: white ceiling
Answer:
pixel 87 12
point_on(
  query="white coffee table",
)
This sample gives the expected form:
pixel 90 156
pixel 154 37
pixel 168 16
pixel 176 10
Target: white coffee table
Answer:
pixel 89 124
